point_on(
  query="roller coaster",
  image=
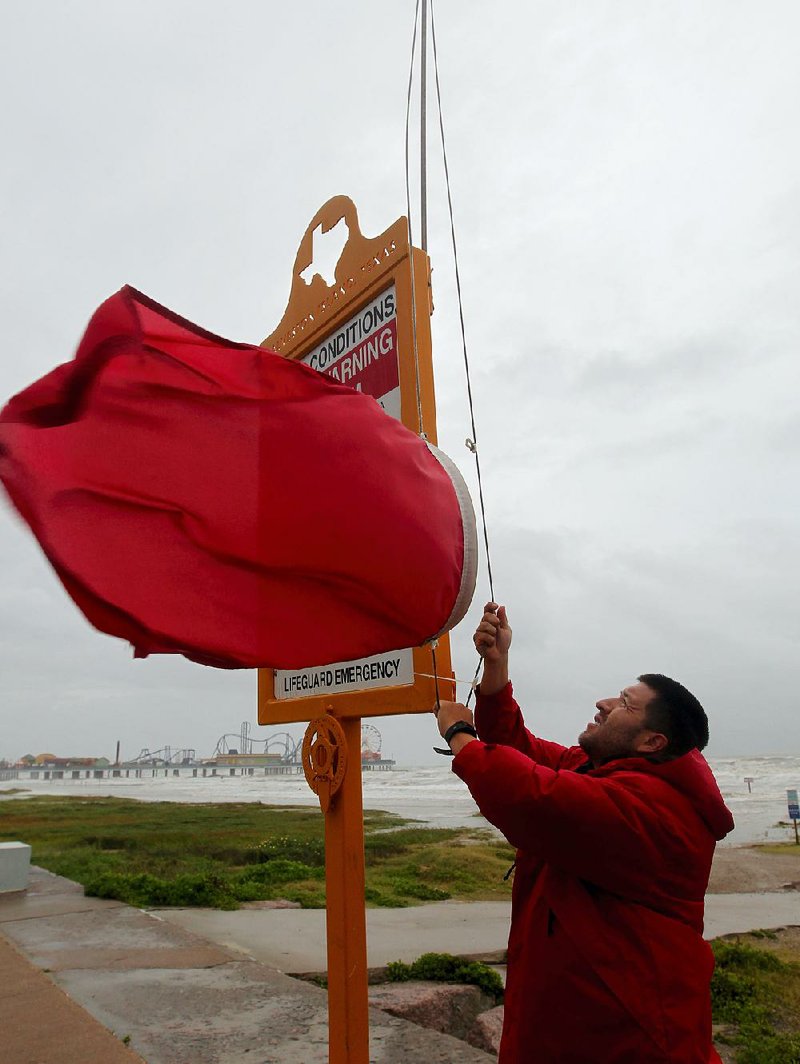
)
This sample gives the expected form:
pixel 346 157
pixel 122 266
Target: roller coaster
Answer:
pixel 283 744
pixel 280 746
pixel 165 756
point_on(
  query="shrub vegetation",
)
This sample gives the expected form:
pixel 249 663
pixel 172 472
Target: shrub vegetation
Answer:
pixel 166 853
pixel 756 994
pixel 445 968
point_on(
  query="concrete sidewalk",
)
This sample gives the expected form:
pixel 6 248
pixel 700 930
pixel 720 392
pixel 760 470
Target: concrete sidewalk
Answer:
pixel 174 996
pixel 82 974
pixel 293 940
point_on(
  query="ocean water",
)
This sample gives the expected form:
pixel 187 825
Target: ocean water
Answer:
pixel 757 814
pixel 435 796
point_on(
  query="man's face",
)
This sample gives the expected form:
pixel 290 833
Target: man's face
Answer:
pixel 618 729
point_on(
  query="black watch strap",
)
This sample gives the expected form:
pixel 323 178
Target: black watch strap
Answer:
pixel 459 726
pixel 455 729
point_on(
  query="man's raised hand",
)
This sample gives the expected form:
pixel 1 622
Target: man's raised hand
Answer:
pixel 493 635
pixel 492 641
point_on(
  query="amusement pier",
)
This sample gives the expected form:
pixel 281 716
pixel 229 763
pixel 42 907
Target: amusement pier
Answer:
pixel 236 754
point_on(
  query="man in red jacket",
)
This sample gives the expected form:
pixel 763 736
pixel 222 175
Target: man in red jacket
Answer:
pixel 606 958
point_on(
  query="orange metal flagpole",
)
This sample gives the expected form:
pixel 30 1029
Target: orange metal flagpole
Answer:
pixel 332 761
pixel 348 1009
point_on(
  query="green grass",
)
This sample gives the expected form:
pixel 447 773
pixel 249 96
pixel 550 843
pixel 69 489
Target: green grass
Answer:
pixel 790 848
pixel 165 853
pixel 756 993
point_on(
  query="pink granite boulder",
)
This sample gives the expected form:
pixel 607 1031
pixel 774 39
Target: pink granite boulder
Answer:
pixel 486 1030
pixel 446 1007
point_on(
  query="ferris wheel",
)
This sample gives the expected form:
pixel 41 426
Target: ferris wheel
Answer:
pixel 370 743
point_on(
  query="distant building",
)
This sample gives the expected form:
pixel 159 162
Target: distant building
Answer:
pixel 50 767
pixel 246 760
pixel 51 761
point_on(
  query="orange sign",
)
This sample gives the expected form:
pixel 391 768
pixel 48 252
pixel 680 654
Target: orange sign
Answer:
pixel 371 330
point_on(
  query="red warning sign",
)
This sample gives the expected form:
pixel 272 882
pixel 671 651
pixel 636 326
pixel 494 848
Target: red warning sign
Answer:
pixel 363 352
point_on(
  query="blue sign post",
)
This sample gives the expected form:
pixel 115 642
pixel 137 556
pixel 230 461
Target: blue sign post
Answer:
pixel 794 812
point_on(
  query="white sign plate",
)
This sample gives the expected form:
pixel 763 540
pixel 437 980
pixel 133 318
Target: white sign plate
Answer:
pixel 395 669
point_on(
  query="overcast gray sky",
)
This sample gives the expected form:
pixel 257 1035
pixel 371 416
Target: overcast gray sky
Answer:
pixel 625 178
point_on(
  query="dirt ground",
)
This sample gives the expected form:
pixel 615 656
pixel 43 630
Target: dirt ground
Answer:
pixel 746 869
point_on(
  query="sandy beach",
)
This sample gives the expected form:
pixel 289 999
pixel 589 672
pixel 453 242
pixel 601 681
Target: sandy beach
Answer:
pixel 747 869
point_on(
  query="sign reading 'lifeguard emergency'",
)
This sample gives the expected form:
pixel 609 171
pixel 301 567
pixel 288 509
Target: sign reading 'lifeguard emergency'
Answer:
pixel 381 670
pixel 363 352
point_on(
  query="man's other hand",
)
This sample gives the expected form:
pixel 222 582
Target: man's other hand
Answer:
pixel 449 713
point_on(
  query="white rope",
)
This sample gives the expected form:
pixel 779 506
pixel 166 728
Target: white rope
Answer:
pixel 472 442
pixel 420 420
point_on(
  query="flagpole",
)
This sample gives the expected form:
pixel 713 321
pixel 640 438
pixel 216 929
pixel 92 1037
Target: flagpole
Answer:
pixel 423 154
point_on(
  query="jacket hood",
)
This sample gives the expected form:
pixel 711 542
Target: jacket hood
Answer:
pixel 689 774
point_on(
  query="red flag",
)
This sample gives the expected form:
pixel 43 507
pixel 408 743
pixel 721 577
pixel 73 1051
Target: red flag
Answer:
pixel 213 499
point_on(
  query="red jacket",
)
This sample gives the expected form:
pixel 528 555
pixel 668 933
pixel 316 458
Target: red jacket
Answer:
pixel 606 958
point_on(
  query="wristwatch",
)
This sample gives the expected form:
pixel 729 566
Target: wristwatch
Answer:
pixel 459 726
pixel 455 729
